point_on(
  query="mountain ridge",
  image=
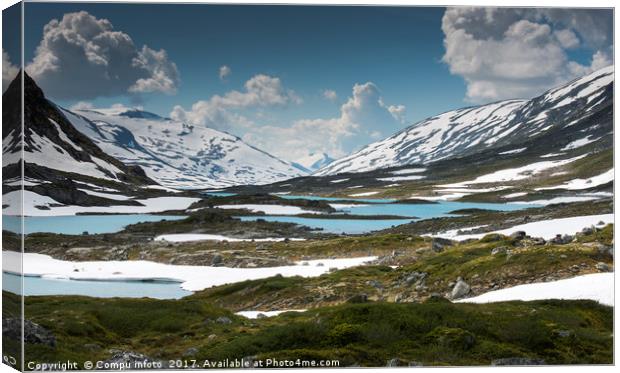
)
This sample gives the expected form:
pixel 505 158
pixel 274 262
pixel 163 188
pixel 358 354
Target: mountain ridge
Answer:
pixel 177 154
pixel 474 129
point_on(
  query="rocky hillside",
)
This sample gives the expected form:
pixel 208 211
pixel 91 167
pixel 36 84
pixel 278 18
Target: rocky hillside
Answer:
pixel 59 161
pixel 510 127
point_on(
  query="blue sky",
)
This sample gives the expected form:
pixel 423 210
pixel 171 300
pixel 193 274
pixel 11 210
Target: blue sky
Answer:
pixel 405 64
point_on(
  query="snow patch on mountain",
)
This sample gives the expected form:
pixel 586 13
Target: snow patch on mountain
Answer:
pixel 579 143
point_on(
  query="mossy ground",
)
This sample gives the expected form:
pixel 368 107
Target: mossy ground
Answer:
pixel 517 262
pixel 431 333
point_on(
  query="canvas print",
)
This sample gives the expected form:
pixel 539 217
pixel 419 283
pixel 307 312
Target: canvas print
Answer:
pixel 198 186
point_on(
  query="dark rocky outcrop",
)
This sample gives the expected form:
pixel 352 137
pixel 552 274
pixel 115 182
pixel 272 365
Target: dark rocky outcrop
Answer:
pixel 33 332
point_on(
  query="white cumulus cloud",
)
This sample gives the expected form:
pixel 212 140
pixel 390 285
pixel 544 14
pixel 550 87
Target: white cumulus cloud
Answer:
pixel 510 52
pixel 363 118
pixel 81 56
pixel 9 71
pixel 330 94
pixel 219 111
pixel 225 71
pixel 82 105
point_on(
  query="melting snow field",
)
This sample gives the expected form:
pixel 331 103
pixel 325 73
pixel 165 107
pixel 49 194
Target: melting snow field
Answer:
pixel 406 171
pixel 545 202
pixel 271 209
pixel 187 237
pixel 518 173
pixel 191 278
pixel 401 178
pixel 546 229
pixel 31 200
pixel 254 314
pixel 597 286
pixel 450 192
pixel 363 194
pixel 578 184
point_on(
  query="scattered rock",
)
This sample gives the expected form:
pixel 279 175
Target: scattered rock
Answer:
pixel 460 290
pixel 562 240
pixel 217 260
pixel 190 351
pixel 602 267
pixel 129 360
pixel 517 361
pixel 358 298
pixel 564 333
pixel 375 284
pixel 211 337
pixel 605 249
pixel 498 250
pixel 587 230
pixel 223 320
pixel 438 244
pixel 395 362
pixel 518 235
pixel 415 278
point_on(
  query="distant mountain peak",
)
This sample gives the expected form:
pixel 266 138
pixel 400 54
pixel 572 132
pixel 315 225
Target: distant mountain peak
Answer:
pixel 315 161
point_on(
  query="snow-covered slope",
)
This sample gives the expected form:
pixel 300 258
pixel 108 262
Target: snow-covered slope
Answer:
pixel 176 154
pixel 474 129
pixel 51 142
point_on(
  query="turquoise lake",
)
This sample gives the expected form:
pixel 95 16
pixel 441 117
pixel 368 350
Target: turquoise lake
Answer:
pixel 77 224
pixel 359 226
pixel 99 289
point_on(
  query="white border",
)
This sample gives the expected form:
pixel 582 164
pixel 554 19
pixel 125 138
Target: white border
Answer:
pixel 503 3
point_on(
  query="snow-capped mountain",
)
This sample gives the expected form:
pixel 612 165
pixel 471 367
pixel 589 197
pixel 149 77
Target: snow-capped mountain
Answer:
pixel 59 161
pixel 177 154
pixel 474 129
pixel 313 162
